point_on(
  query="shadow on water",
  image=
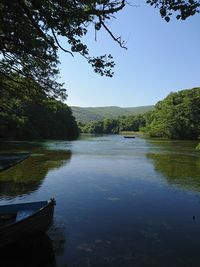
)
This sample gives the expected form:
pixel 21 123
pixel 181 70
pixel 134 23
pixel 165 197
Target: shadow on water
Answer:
pixel 28 176
pixel 36 252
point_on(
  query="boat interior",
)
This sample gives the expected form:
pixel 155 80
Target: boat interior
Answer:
pixel 16 212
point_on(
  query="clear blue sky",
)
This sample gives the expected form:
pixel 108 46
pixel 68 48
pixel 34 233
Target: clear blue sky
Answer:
pixel 161 58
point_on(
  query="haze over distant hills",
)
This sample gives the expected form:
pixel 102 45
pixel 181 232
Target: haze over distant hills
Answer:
pixel 85 114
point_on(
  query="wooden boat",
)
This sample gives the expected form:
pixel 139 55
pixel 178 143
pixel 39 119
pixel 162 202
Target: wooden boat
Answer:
pixel 7 160
pixel 129 136
pixel 21 221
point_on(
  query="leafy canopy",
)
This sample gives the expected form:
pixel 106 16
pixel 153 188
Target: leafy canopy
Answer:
pixel 182 8
pixel 30 31
pixel 176 117
pixel 27 113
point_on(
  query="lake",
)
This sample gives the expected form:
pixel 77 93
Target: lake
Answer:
pixel 120 202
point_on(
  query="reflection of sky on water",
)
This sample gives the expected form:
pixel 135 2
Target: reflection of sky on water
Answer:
pixel 119 205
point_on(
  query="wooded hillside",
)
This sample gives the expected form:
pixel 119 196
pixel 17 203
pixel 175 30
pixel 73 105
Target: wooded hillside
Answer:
pixel 176 117
pixel 99 113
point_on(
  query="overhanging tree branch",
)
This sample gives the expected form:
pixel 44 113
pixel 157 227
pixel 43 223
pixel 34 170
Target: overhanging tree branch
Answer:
pixel 116 39
pixel 108 11
pixel 34 23
pixel 56 40
pixel 30 30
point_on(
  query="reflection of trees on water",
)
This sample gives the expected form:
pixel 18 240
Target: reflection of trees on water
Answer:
pixel 177 161
pixel 28 176
pixel 37 251
pixel 172 146
pixel 180 169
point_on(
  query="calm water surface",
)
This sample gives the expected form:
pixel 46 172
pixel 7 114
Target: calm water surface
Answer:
pixel 120 202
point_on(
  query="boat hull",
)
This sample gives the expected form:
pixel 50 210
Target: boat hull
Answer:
pixel 33 225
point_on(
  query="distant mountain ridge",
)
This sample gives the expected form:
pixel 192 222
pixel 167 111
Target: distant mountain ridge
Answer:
pixel 86 114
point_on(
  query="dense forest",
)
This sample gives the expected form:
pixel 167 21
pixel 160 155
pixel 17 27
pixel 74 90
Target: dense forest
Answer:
pixel 175 117
pixel 113 126
pixel 26 112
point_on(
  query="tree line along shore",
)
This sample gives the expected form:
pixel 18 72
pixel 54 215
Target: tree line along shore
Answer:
pixel 28 113
pixel 175 117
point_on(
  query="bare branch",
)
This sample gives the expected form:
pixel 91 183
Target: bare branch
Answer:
pixel 116 39
pixel 56 40
pixel 107 11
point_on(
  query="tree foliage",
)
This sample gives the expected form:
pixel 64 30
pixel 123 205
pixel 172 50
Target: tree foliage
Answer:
pixel 182 8
pixel 30 32
pixel 176 117
pixel 27 113
pixel 113 126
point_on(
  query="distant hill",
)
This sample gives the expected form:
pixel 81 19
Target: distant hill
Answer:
pixel 99 113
